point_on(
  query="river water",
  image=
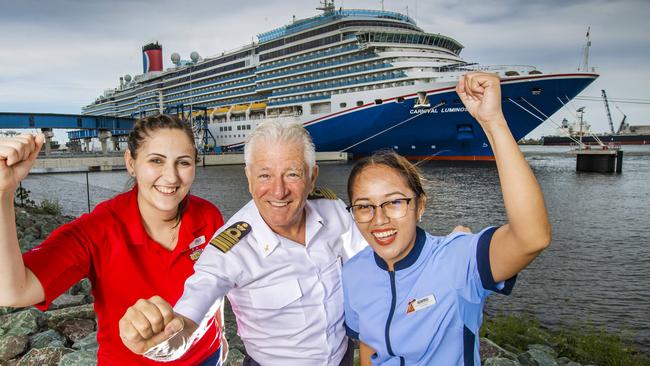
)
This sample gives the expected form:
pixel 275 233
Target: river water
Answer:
pixel 597 269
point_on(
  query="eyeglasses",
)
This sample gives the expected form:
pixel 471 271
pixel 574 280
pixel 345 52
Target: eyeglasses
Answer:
pixel 393 209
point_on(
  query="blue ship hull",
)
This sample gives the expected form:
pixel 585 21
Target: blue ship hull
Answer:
pixel 446 132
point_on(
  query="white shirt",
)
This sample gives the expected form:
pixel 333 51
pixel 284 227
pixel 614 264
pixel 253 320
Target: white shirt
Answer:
pixel 287 297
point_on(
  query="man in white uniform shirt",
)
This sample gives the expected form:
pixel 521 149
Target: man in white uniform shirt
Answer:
pixel 278 260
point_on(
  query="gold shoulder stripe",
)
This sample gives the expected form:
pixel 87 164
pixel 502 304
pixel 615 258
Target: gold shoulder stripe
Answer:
pixel 319 193
pixel 231 236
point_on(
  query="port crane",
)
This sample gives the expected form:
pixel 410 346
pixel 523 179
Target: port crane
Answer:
pixel 623 125
pixel 609 114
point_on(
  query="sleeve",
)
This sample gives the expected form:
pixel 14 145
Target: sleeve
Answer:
pixel 201 300
pixel 210 282
pixel 353 241
pixel 351 322
pixel 63 259
pixel 470 255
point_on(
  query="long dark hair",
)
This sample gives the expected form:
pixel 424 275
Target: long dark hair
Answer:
pixel 143 128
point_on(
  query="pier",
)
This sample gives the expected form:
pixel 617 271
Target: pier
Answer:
pixel 95 162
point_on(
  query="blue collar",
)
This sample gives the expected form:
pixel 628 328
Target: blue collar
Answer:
pixel 411 257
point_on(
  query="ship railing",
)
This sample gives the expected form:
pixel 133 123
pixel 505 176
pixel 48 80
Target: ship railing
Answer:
pixel 327 74
pixel 345 60
pixel 320 54
pixel 335 84
pixel 298 100
pixel 212 96
pixel 487 68
pixel 207 82
pixel 209 90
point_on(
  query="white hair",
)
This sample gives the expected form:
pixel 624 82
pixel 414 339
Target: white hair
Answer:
pixel 278 132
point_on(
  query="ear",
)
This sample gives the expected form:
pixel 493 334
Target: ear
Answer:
pixel 249 177
pixel 314 175
pixel 422 202
pixel 129 162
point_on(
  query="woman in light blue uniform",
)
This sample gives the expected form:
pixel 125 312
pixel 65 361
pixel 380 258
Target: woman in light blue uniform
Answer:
pixel 412 298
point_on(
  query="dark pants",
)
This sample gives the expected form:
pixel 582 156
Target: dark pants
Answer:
pixel 348 358
pixel 214 360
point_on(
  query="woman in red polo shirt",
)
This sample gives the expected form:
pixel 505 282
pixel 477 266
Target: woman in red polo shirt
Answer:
pixel 136 245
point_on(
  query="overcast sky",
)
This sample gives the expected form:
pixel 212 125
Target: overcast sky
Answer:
pixel 59 55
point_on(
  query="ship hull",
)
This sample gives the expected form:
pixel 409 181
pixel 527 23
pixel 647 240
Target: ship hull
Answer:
pixel 590 140
pixel 446 132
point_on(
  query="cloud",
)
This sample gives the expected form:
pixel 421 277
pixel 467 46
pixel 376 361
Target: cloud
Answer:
pixel 62 54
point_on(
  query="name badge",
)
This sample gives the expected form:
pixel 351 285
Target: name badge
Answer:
pixel 197 241
pixel 419 304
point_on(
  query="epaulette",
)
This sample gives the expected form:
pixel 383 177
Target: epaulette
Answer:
pixel 319 193
pixel 231 236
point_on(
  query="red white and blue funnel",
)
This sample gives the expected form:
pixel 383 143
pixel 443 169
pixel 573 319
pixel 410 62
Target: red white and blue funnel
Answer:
pixel 152 57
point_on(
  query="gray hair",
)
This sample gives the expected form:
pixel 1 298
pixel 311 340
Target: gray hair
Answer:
pixel 287 132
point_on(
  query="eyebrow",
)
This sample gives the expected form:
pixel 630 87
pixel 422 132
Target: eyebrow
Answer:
pixel 165 156
pixel 386 195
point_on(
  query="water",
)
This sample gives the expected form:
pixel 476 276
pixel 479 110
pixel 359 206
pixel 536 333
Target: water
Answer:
pixel 596 270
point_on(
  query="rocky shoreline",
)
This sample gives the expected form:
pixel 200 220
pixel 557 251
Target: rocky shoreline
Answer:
pixel 65 334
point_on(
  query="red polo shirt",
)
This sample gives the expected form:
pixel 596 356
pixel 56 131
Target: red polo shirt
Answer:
pixel 111 247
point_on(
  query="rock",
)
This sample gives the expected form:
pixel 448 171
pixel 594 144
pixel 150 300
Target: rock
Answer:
pixel 43 356
pixel 489 349
pixel 4 310
pixel 500 361
pixel 48 338
pixel 67 300
pixel 24 322
pixel 79 358
pixel 544 348
pixel 12 345
pixel 81 288
pixel 54 317
pixel 87 342
pixel 535 357
pixel 75 329
pixel 235 358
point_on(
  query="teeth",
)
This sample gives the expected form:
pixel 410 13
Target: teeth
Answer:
pixel 384 234
pixel 278 204
pixel 166 189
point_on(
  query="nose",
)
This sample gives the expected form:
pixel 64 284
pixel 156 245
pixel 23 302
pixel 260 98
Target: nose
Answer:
pixel 379 218
pixel 279 188
pixel 170 172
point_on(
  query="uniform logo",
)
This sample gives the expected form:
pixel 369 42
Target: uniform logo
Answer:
pixel 319 193
pixel 197 241
pixel 194 256
pixel 231 236
pixel 419 304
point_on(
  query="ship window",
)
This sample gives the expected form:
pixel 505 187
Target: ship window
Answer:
pixel 359 103
pixel 400 99
pixel 343 105
pixel 378 101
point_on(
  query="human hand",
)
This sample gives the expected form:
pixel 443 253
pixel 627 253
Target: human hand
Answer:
pixel 17 155
pixel 481 94
pixel 148 323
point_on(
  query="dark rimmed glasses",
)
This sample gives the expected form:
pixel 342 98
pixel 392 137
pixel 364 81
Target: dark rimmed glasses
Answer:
pixel 393 209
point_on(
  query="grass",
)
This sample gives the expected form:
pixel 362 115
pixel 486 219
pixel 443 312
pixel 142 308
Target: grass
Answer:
pixel 583 343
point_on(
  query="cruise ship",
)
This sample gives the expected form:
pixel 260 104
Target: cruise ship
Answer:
pixel 358 80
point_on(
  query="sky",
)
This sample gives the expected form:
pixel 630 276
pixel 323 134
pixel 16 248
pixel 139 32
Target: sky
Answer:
pixel 59 55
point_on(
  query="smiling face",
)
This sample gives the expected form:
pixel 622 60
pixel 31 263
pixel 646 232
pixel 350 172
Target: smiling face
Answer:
pixel 391 239
pixel 279 182
pixel 164 170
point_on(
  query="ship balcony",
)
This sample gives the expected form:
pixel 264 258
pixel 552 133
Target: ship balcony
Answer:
pixel 341 83
pixel 308 57
pixel 249 83
pixel 210 81
pixel 320 65
pixel 333 74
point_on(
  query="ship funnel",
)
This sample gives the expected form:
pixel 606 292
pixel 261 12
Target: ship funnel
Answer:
pixel 152 58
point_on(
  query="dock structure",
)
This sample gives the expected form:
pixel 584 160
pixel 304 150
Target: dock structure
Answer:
pixel 82 163
pixel 102 127
pixel 599 160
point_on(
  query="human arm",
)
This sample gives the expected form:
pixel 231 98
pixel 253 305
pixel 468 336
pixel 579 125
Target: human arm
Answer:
pixel 149 322
pixel 365 353
pixel 18 285
pixel 528 231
